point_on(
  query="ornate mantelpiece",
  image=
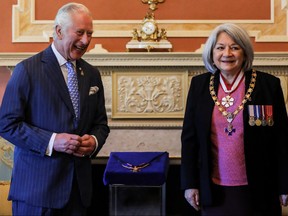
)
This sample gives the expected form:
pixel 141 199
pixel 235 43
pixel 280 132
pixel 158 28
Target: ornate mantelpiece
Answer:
pixel 147 79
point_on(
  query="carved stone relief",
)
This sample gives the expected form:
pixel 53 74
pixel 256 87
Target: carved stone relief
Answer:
pixel 149 95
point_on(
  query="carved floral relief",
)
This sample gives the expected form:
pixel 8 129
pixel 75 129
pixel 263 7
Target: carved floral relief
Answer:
pixel 148 96
pixel 6 160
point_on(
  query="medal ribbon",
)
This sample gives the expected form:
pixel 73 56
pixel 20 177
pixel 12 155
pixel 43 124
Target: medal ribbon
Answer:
pixel 263 112
pixel 234 84
pixel 269 114
pixel 257 109
pixel 251 115
pixel 264 121
pixel 269 110
pixel 251 111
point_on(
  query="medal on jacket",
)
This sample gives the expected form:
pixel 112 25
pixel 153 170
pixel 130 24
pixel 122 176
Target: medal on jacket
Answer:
pixel 269 113
pixel 229 129
pixel 264 122
pixel 228 100
pixel 258 115
pixel 251 115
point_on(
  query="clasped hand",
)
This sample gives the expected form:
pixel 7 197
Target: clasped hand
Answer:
pixel 193 198
pixel 74 144
pixel 284 199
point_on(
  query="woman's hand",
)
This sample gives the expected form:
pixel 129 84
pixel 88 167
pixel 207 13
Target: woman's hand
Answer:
pixel 284 199
pixel 192 197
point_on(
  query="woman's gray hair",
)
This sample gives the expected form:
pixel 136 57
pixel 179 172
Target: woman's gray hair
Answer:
pixel 63 16
pixel 239 35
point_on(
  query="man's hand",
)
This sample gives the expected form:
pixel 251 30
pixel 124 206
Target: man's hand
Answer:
pixel 86 147
pixel 67 143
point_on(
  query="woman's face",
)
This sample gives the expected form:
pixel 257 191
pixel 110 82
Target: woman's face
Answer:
pixel 228 56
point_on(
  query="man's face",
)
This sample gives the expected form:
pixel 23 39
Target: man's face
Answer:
pixel 74 39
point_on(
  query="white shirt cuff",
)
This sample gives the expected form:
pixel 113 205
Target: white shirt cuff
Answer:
pixel 49 149
pixel 95 146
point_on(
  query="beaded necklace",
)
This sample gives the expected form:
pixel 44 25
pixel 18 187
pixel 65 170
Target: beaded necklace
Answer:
pixel 230 116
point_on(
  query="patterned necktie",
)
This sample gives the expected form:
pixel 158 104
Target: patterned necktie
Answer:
pixel 72 83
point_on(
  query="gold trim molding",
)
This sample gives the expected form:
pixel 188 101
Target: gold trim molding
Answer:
pixel 26 29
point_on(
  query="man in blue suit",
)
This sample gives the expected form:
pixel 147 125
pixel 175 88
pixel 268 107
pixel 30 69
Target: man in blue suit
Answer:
pixel 53 140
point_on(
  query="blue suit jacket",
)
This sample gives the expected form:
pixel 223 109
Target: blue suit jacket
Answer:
pixel 36 104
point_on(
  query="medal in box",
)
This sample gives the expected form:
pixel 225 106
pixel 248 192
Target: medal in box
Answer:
pixel 136 168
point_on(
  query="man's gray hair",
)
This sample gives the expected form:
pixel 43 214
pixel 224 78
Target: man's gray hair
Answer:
pixel 63 16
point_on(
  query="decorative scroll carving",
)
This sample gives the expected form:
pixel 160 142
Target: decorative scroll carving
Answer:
pixel 6 161
pixel 142 95
pixel 6 151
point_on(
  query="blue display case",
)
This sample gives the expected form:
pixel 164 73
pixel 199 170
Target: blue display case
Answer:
pixel 136 183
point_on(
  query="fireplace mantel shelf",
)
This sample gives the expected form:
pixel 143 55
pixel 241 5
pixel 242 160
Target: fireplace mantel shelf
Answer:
pixel 151 59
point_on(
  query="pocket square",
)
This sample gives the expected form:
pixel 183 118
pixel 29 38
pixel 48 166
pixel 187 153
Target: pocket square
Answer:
pixel 93 90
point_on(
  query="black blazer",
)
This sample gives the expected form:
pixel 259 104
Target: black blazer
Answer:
pixel 266 147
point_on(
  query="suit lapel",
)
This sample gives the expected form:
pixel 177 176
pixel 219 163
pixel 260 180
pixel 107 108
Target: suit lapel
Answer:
pixel 54 73
pixel 83 82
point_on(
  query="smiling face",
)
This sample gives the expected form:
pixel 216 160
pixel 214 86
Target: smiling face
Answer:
pixel 228 56
pixel 74 39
